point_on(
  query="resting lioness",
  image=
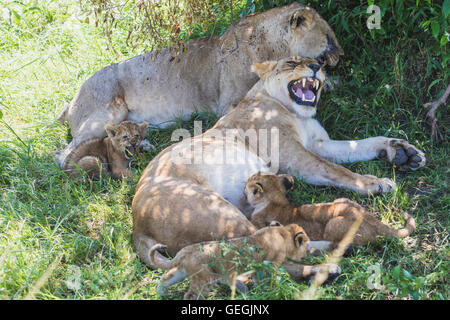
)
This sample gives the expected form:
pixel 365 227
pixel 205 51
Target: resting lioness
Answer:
pixel 208 262
pixel 330 222
pixel 209 73
pixel 108 156
pixel 185 197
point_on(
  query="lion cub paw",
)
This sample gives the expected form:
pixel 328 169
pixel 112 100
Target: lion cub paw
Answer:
pixel 385 185
pixel 403 155
pixel 380 185
pixel 333 271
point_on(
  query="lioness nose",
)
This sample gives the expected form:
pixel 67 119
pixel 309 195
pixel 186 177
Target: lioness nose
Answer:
pixel 314 67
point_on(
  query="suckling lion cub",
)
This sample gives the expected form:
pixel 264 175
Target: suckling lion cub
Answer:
pixel 266 192
pixel 109 156
pixel 208 262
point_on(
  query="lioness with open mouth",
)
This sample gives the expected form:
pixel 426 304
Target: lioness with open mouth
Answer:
pixel 186 197
pixel 207 74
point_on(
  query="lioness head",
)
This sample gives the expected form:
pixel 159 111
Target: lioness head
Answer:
pixel 296 82
pixel 265 187
pixel 312 37
pixel 126 137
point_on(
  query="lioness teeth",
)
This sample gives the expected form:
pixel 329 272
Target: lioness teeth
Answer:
pixel 304 82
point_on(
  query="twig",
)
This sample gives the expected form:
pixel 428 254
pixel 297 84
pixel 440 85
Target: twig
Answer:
pixel 322 275
pixel 435 133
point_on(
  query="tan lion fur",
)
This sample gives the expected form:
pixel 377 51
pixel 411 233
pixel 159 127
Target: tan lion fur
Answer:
pixel 179 203
pixel 266 192
pixel 204 74
pixel 208 262
pixel 108 156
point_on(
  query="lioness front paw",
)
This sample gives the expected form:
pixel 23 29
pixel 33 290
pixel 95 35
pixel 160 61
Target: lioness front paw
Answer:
pixel 403 155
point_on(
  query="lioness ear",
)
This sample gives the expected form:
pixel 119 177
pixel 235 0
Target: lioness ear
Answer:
pixel 142 128
pixel 263 69
pixel 301 18
pixel 111 130
pixel 287 181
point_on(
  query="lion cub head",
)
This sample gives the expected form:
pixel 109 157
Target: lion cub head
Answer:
pixel 264 187
pixel 296 244
pixel 296 82
pixel 126 137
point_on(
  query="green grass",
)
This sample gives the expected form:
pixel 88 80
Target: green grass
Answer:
pixel 65 240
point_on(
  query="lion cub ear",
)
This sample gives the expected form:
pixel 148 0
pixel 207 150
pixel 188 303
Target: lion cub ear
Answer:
pixel 300 238
pixel 287 181
pixel 143 128
pixel 264 69
pixel 111 130
pixel 256 188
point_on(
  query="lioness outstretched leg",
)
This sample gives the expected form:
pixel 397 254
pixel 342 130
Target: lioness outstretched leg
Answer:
pixel 316 170
pixel 396 151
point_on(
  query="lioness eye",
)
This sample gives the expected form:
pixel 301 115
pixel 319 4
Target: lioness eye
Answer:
pixel 125 137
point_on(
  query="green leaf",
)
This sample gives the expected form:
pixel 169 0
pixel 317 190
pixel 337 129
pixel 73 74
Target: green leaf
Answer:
pixel 433 83
pixel 446 8
pixel 396 272
pixel 344 23
pixel 444 40
pixel 435 29
pixel 407 274
pixel 426 23
pixel 415 295
pixel 16 15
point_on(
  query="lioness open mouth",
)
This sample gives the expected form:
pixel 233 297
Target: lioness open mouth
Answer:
pixel 304 91
pixel 129 152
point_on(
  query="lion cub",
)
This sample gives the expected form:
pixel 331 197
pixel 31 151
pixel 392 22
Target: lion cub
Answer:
pixel 209 262
pixel 266 192
pixel 109 156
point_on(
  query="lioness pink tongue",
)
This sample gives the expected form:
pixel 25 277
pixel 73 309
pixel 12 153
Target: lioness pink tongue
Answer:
pixel 131 150
pixel 299 92
pixel 309 95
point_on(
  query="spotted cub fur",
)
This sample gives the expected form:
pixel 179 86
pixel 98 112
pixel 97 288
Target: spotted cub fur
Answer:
pixel 109 156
